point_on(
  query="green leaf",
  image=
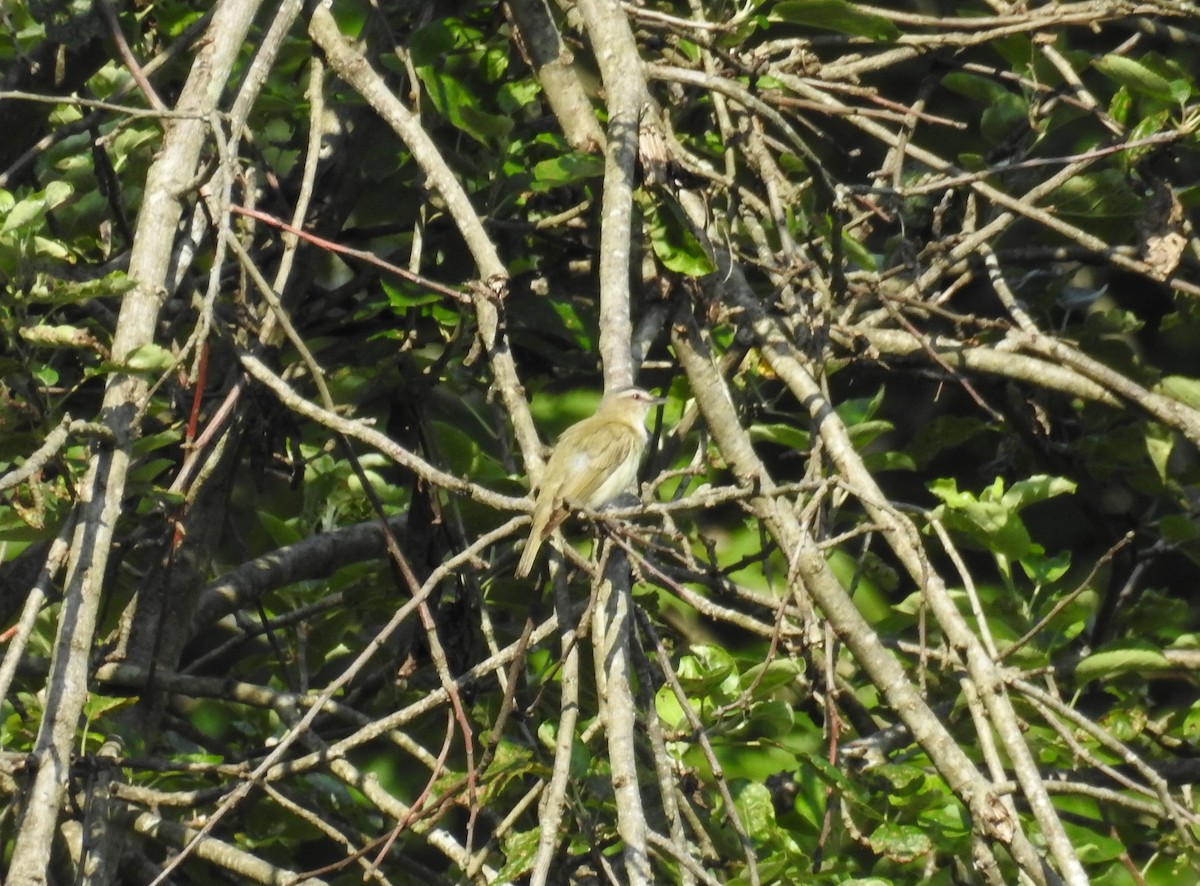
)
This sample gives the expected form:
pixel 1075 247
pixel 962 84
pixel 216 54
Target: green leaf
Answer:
pixel 581 757
pixel 149 358
pixel 1191 725
pixel 889 461
pixel 57 193
pixel 1002 116
pixel 1037 488
pixel 24 213
pixel 61 292
pixel 1120 105
pixel 44 247
pixel 865 433
pixel 858 253
pixel 514 96
pixel 782 435
pixel 900 842
pixel 707 669
pixel 769 676
pixel 1182 388
pixel 1106 324
pixel 904 778
pixel 283 531
pixel 1114 662
pixel 1135 76
pixel 1045 569
pixel 772 719
pixel 520 850
pixel 991 522
pixel 35 206
pixel 834 15
pixel 403 295
pixel 148 471
pixel 1092 847
pixel 97 705
pixel 756 810
pixel 668 708
pixel 984 90
pixel 860 409
pixel 1177 528
pixel 465 452
pixel 673 242
pixel 1160 443
pixel 428 45
pixel 567 169
pixel 455 101
pixel 481 124
pixel 944 433
pixel 1151 124
pixel 148 443
pixel 72 337
pixel 1101 195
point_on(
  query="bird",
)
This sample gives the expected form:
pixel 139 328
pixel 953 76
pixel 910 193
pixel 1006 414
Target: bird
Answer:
pixel 593 462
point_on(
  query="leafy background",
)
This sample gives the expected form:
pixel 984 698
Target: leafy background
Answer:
pixel 287 291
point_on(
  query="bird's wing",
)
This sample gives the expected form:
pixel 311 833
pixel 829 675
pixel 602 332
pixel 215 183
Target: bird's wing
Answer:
pixel 611 444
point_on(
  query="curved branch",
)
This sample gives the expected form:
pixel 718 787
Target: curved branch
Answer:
pixel 358 430
pixel 317 556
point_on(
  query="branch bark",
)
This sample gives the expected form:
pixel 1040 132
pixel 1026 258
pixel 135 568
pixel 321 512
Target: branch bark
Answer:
pixel 625 88
pixel 554 66
pixel 104 486
pixel 807 561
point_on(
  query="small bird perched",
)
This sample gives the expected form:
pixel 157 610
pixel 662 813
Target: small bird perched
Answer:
pixel 594 461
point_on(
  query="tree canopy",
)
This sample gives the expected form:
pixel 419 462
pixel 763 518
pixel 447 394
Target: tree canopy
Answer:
pixel 295 296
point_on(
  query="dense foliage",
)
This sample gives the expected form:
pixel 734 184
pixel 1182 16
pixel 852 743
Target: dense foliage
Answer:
pixel 293 295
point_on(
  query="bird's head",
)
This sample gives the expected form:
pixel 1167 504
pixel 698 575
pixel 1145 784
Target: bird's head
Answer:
pixel 634 402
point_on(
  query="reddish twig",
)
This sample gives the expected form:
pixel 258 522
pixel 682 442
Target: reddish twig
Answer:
pixel 360 254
